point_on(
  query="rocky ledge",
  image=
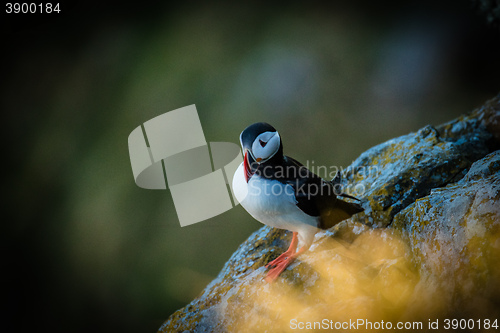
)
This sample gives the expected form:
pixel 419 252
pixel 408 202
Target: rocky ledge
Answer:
pixel 426 248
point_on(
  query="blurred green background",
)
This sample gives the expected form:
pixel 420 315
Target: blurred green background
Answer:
pixel 88 250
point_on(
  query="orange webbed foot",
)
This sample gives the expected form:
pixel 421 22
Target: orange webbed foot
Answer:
pixel 278 268
pixel 281 265
pixel 285 255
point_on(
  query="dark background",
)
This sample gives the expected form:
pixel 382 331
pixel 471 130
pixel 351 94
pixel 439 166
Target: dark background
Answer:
pixel 86 249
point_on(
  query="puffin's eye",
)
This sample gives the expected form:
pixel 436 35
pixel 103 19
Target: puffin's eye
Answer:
pixel 262 143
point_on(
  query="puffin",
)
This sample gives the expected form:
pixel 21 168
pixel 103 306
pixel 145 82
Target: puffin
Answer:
pixel 280 192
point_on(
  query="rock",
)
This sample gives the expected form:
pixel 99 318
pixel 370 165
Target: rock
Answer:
pixel 395 173
pixel 426 247
pixel 454 234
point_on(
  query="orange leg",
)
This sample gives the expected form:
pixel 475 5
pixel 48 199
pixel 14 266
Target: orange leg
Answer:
pixel 282 265
pixel 291 250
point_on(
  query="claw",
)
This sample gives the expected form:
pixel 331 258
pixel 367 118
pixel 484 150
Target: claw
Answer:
pixel 284 256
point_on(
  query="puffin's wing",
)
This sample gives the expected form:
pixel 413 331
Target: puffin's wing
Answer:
pixel 317 197
pixel 307 186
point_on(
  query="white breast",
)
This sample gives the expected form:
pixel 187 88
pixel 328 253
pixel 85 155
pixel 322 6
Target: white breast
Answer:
pixel 273 203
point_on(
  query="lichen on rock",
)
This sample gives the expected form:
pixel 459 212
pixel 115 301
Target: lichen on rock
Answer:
pixel 454 234
pixel 405 169
pixel 427 245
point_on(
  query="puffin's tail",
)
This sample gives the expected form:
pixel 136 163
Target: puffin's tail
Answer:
pixel 333 209
pixel 350 208
pixel 339 211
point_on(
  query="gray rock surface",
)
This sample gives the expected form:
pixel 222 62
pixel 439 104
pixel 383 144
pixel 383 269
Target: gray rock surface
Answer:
pixel 454 234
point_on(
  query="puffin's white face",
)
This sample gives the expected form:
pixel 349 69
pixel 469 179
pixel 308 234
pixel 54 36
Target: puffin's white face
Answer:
pixel 265 146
